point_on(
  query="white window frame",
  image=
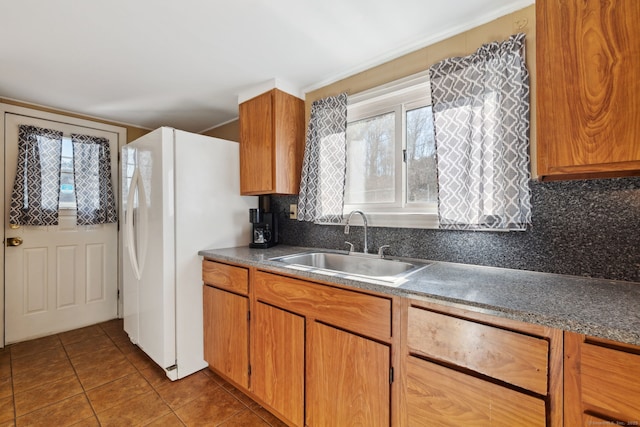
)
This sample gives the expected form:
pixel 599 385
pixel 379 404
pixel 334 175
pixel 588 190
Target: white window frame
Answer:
pixel 399 96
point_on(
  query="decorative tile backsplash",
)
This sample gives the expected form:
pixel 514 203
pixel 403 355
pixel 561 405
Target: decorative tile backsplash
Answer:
pixel 585 228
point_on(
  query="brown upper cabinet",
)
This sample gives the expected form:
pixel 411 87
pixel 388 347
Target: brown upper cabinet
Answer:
pixel 588 96
pixel 271 143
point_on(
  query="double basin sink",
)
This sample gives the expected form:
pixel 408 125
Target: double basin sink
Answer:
pixel 387 270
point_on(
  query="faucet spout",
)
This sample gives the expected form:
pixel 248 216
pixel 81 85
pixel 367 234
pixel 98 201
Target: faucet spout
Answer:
pixel 364 222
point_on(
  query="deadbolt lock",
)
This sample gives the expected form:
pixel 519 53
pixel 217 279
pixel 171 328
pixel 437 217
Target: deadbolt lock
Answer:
pixel 14 241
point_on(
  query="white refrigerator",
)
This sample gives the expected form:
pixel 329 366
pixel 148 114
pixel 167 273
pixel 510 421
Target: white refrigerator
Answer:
pixel 181 194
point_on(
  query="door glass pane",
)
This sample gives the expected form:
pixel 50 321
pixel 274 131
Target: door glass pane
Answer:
pixel 67 193
pixel 371 160
pixel 422 181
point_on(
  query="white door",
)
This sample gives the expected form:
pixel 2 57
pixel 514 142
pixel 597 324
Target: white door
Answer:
pixel 60 277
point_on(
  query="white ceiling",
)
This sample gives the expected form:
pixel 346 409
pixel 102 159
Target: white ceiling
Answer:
pixel 183 63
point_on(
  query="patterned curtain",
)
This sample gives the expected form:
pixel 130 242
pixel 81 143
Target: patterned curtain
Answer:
pixel 481 119
pixel 36 189
pixel 95 199
pixel 325 161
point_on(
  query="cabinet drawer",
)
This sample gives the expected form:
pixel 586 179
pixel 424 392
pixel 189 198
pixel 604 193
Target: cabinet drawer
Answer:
pixel 229 277
pixel 367 314
pixel 609 381
pixel 440 396
pixel 508 356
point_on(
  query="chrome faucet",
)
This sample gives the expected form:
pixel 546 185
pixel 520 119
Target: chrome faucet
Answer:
pixel 364 221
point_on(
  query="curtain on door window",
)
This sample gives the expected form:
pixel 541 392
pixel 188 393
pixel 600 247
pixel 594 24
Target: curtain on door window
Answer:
pixel 95 199
pixel 481 119
pixel 36 189
pixel 325 160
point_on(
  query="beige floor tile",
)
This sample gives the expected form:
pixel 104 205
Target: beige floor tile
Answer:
pixel 201 411
pixel 271 419
pixel 7 412
pixel 22 364
pixel 6 387
pixel 217 378
pixel 242 397
pixel 67 379
pixel 81 334
pixel 245 418
pixel 116 334
pixel 64 413
pixel 140 410
pixel 95 377
pixel 140 360
pixel 41 375
pixel 47 394
pixel 105 356
pixel 156 376
pixel 89 345
pixel 125 345
pixel 5 367
pixel 117 392
pixel 169 420
pixel 88 422
pixel 178 393
pixel 34 346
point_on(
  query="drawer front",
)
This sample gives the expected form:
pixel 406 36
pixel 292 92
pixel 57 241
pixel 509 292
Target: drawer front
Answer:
pixel 610 383
pixel 229 277
pixel 508 356
pixel 441 396
pixel 366 314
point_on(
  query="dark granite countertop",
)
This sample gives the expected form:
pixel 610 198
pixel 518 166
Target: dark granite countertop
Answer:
pixel 602 308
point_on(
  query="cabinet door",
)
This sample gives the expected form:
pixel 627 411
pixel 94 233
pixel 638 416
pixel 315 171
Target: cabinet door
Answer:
pixel 600 381
pixel 347 379
pixel 278 361
pixel 226 334
pixel 588 56
pixel 439 396
pixel 257 145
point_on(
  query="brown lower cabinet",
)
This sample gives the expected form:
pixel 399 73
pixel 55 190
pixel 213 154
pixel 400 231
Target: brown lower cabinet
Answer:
pixel 601 382
pixel 319 355
pixel 465 368
pixel 226 334
pixel 277 362
pixel 347 379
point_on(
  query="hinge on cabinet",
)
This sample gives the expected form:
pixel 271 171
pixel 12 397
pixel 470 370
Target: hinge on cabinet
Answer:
pixel 118 295
pixel 248 315
pixel 249 370
pixel 404 156
pixel 391 375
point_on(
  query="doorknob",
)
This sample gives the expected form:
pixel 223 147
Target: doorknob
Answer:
pixel 14 241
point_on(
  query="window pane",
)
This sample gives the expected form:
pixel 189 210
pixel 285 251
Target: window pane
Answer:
pixel 67 193
pixel 422 182
pixel 371 160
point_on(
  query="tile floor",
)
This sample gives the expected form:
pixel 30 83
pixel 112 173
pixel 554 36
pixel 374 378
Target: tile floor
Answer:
pixel 94 376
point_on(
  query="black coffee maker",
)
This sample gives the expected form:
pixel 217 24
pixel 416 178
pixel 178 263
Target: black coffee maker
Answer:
pixel 265 228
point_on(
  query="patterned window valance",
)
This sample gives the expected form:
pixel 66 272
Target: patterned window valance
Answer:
pixel 95 199
pixel 481 119
pixel 325 161
pixel 36 189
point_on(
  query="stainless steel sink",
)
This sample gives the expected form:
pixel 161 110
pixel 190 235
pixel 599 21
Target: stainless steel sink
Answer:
pixel 369 266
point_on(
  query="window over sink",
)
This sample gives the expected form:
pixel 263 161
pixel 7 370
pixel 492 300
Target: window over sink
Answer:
pixel 391 155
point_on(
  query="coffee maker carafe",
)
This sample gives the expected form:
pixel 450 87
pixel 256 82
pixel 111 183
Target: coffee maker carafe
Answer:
pixel 265 228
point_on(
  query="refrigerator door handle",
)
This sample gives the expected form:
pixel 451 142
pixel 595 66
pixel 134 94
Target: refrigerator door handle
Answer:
pixel 133 257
